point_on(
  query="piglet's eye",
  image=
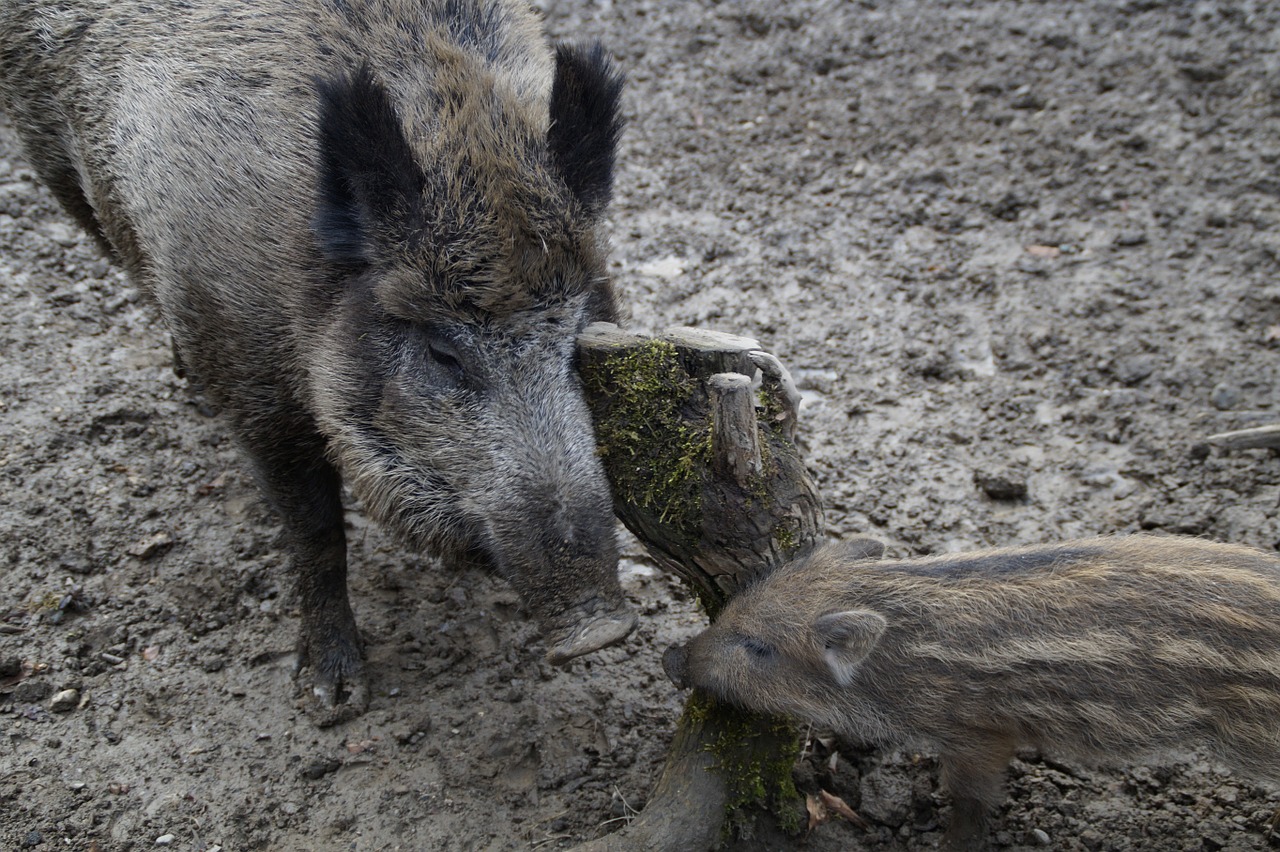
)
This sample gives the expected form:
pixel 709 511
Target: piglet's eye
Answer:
pixel 758 648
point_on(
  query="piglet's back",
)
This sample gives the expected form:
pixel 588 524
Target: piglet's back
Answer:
pixel 1096 649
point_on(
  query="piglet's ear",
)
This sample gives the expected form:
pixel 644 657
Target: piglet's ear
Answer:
pixel 861 548
pixel 585 123
pixel 847 638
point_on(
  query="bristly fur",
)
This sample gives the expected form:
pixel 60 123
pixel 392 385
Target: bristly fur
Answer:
pixel 585 122
pixel 498 205
pixel 374 252
pixel 368 177
pixel 1099 650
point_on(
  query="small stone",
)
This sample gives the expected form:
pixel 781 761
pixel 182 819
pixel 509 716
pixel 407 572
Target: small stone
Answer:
pixel 33 838
pixel 1133 370
pixel 1040 837
pixel 151 546
pixel 164 840
pixel 64 701
pixel 1224 397
pixel 1001 485
pixel 31 691
pixel 317 769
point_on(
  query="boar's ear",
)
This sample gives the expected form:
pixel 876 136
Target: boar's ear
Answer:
pixel 847 638
pixel 585 124
pixel 369 180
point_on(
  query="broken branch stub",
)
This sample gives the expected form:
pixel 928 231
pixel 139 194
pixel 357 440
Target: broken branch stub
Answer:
pixel 696 432
pixel 1259 437
pixel 695 428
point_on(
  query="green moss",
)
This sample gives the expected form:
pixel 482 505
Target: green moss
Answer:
pixel 755 755
pixel 47 602
pixel 770 409
pixel 653 450
pixel 785 537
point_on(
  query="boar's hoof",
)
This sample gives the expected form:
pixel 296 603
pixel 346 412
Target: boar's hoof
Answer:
pixel 339 684
pixel 340 701
pixel 675 662
pixel 590 634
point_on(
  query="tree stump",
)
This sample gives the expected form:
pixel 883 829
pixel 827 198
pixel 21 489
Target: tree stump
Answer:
pixel 696 430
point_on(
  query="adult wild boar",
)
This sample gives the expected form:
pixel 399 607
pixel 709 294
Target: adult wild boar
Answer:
pixel 373 228
pixel 1101 650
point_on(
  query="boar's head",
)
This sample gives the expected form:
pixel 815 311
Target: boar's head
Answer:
pixel 463 255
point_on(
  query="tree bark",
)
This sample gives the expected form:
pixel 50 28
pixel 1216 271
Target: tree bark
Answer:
pixel 696 432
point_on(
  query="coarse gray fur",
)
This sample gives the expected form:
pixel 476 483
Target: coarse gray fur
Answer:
pixel 1100 650
pixel 373 228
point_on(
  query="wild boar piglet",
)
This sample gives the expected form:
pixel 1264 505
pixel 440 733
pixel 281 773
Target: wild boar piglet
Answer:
pixel 1101 650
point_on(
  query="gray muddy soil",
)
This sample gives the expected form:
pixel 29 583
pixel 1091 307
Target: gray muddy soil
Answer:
pixel 1021 256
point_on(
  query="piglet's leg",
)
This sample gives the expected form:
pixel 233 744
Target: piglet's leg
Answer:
pixel 974 777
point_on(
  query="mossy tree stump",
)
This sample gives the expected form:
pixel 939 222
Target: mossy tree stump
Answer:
pixel 696 432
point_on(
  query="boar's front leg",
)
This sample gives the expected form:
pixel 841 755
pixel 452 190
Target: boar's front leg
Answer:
pixel 307 492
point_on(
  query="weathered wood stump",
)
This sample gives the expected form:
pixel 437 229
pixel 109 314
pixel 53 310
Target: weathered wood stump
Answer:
pixel 696 432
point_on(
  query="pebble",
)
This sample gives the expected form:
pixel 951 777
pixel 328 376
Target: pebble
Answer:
pixel 151 546
pixel 65 700
pixel 1001 485
pixel 1040 836
pixel 31 691
pixel 1134 369
pixel 319 768
pixel 1224 396
pixel 164 840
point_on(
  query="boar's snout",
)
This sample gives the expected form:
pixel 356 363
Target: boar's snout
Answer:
pixel 675 662
pixel 592 631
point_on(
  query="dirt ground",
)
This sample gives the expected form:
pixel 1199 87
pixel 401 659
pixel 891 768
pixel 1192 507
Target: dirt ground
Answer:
pixel 1021 257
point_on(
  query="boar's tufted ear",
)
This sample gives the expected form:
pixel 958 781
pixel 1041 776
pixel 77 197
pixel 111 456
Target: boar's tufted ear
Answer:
pixel 847 638
pixel 585 123
pixel 369 181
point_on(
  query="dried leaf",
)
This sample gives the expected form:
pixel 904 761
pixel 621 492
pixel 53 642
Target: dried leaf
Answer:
pixel 838 806
pixel 818 814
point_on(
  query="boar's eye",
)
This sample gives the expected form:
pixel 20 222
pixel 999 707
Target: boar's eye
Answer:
pixel 441 358
pixel 757 648
pixel 445 356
